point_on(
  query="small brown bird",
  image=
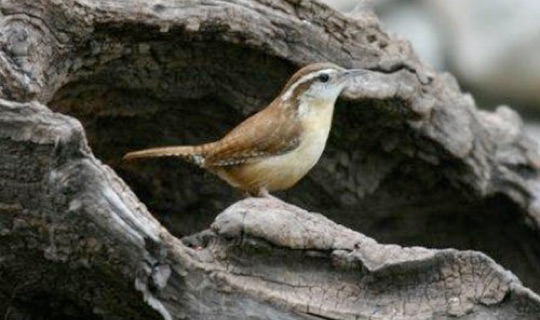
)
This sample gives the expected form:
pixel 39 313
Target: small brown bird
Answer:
pixel 273 149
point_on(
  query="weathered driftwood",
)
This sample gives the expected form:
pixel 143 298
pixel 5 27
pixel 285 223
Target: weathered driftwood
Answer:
pixel 410 161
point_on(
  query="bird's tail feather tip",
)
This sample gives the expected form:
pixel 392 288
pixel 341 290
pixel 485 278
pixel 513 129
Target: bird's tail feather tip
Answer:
pixel 158 152
pixel 129 156
pixel 132 156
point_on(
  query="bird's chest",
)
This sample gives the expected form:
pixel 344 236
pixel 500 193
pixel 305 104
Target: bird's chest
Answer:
pixel 316 127
pixel 283 171
pixel 308 153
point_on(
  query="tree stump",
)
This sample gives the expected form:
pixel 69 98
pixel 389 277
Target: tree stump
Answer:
pixel 411 162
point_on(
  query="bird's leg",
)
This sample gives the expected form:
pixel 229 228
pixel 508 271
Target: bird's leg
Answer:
pixel 260 193
pixel 263 193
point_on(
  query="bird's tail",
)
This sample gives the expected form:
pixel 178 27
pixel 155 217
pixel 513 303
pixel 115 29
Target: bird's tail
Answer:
pixel 195 154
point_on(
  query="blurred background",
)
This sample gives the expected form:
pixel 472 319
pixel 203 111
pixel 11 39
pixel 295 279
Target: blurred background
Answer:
pixel 491 46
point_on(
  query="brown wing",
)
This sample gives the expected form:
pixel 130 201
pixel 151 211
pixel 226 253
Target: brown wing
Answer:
pixel 272 131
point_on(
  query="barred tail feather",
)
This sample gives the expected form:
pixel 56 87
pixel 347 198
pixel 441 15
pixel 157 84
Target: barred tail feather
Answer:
pixel 191 153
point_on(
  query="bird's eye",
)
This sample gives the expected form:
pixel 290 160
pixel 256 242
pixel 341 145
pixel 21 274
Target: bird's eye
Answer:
pixel 324 77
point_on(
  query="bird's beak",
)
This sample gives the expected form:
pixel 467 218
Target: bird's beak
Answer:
pixel 354 72
pixel 349 74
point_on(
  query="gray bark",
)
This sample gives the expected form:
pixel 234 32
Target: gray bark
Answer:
pixel 411 161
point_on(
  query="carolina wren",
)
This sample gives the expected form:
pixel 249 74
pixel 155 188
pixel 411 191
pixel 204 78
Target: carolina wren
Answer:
pixel 273 149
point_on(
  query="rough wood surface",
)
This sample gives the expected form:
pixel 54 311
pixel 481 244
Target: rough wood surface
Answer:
pixel 411 160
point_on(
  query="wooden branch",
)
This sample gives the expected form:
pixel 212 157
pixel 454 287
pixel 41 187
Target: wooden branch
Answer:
pixel 410 161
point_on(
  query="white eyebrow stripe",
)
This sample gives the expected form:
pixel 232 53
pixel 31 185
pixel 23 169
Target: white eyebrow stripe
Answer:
pixel 287 95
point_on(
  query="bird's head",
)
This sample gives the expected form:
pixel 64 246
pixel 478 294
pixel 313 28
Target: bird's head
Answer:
pixel 317 82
